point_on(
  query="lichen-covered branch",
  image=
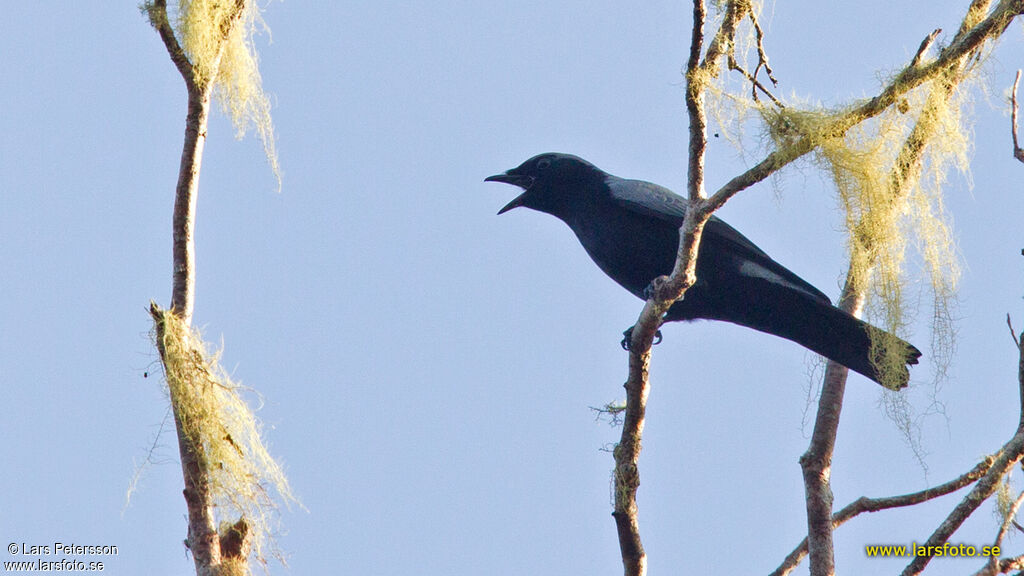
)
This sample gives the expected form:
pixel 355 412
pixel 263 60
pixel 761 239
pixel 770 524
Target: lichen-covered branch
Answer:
pixel 203 540
pixel 988 29
pixel 816 462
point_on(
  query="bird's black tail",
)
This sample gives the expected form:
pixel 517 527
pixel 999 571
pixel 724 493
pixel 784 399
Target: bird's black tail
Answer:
pixel 812 323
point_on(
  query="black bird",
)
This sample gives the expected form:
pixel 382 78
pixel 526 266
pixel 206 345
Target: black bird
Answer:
pixel 630 228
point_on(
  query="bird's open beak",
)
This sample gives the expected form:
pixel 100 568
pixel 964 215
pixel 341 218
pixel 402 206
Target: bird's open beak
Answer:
pixel 520 180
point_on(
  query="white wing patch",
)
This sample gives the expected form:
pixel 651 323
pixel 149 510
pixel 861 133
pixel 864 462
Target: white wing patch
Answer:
pixel 752 269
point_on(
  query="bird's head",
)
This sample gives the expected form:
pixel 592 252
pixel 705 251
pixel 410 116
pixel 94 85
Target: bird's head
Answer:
pixel 549 181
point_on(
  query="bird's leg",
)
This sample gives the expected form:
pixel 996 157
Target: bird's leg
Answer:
pixel 627 337
pixel 650 291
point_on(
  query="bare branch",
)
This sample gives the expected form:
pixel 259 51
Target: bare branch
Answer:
pixel 925 44
pixel 762 56
pixel 1020 380
pixel 864 504
pixel 1010 454
pixel 157 12
pixel 1018 152
pixel 1013 334
pixel 187 191
pixel 755 84
pixel 816 463
pixel 627 453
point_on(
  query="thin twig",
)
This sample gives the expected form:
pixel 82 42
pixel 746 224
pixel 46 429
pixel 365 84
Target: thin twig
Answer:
pixel 157 12
pixel 1013 333
pixel 1018 152
pixel 755 84
pixel 762 55
pixel 925 44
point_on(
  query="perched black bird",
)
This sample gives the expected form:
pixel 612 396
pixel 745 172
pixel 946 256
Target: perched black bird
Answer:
pixel 631 230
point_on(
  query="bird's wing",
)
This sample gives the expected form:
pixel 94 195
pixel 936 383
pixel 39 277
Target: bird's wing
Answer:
pixel 647 199
pixel 659 202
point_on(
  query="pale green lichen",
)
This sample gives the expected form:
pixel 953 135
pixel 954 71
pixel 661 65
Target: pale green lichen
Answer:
pixel 223 432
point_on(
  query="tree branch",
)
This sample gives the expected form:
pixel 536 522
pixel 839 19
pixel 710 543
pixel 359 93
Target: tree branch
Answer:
pixel 1011 453
pixel 1004 565
pixel 1008 457
pixel 908 79
pixel 925 44
pixel 203 540
pixel 157 12
pixel 865 504
pixel 816 463
pixel 1018 152
pixel 627 452
pixel 187 191
pixel 695 105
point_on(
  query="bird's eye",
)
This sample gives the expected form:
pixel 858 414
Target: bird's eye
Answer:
pixel 543 164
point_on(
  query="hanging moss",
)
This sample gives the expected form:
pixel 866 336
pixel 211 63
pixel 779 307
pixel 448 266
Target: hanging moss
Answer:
pixel 223 433
pixel 227 60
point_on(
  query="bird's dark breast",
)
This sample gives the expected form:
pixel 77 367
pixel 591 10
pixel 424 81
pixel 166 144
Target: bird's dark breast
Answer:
pixel 634 249
pixel 630 248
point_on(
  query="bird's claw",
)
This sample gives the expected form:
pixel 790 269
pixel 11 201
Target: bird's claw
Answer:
pixel 627 338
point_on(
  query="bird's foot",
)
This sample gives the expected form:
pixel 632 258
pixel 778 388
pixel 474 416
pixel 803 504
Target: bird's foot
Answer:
pixel 656 285
pixel 627 337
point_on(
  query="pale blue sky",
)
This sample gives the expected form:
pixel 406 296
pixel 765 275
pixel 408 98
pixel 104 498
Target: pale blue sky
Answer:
pixel 426 366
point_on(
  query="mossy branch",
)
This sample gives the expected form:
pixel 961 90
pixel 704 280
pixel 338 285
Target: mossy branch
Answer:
pixel 224 463
pixel 989 29
pixel 227 468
